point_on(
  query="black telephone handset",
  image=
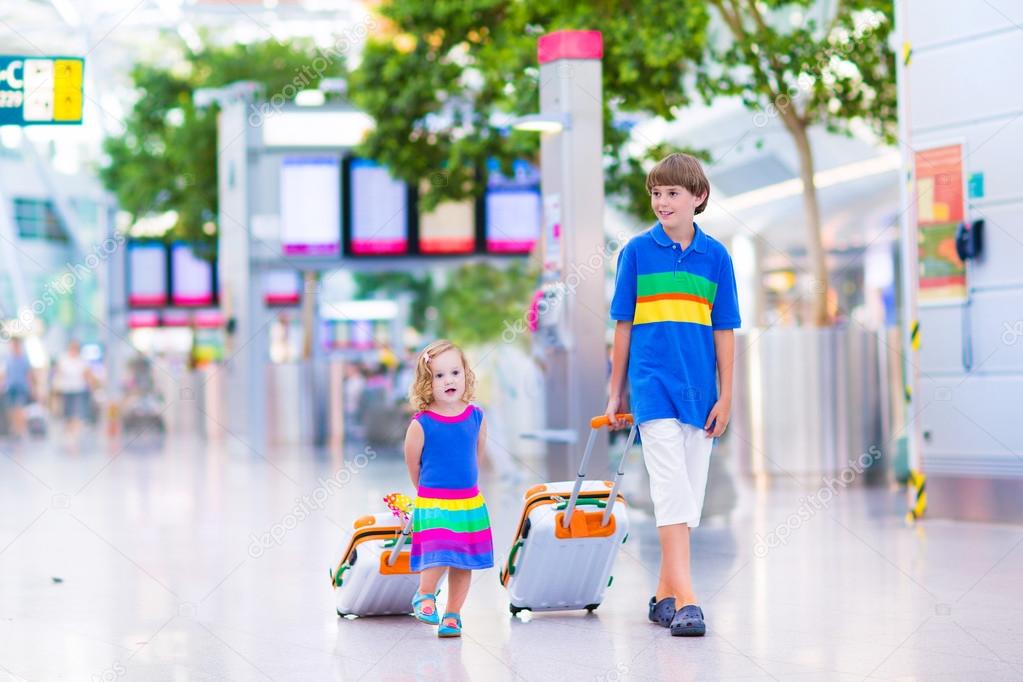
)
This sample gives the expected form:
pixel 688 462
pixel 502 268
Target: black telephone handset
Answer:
pixel 969 244
pixel 970 240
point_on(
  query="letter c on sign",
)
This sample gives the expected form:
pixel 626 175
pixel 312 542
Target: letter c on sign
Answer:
pixel 8 74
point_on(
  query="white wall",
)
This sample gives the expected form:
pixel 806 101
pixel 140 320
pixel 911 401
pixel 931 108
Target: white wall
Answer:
pixel 963 84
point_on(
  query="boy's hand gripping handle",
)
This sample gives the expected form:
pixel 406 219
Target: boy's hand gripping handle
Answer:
pixel 595 425
pixel 602 420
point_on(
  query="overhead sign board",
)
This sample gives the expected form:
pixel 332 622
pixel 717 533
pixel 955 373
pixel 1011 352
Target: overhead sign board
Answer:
pixel 41 90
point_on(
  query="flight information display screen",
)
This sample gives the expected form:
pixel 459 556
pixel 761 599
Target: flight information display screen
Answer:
pixel 513 209
pixel 282 287
pixel 450 228
pixel 147 274
pixel 191 277
pixel 311 206
pixel 379 210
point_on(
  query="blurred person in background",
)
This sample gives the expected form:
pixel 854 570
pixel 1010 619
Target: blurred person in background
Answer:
pixel 72 379
pixel 18 387
pixel 405 375
pixel 351 390
pixel 378 384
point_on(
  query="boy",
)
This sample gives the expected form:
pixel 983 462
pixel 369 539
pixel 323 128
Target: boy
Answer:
pixel 675 305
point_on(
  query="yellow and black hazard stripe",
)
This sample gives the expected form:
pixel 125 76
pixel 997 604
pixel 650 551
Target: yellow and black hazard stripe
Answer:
pixel 918 488
pixel 914 344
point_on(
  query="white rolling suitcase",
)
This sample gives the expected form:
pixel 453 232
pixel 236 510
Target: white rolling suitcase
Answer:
pixel 374 576
pixel 567 539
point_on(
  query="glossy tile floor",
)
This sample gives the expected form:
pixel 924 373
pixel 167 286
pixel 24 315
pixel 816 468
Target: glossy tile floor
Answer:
pixel 155 562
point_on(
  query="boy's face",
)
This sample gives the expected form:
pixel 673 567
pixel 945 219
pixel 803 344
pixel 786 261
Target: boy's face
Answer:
pixel 448 377
pixel 673 205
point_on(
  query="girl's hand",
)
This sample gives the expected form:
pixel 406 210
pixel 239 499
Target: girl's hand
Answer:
pixel 717 420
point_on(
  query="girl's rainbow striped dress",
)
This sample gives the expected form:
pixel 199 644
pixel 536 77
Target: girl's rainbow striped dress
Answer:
pixel 450 524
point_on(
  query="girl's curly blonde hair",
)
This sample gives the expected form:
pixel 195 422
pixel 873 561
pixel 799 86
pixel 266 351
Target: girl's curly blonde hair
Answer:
pixel 420 394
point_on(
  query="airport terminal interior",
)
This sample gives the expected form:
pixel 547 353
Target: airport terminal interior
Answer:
pixel 234 232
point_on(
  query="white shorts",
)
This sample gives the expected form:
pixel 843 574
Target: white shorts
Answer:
pixel 677 457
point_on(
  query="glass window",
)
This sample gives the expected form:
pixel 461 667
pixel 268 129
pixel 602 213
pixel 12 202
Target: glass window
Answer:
pixel 38 219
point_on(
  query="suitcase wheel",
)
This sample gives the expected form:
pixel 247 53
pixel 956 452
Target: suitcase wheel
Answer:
pixel 515 610
pixel 590 608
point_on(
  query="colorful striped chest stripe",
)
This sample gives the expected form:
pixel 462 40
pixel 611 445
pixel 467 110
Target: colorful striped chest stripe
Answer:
pixel 674 297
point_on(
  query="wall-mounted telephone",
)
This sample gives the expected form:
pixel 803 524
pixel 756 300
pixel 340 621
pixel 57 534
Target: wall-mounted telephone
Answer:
pixel 969 245
pixel 970 240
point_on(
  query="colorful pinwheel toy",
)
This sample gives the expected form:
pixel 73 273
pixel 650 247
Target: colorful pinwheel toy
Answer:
pixel 400 505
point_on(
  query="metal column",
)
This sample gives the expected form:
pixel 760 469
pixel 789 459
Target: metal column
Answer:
pixel 247 339
pixel 572 176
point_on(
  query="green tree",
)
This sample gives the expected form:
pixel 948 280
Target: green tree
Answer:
pixel 166 158
pixel 439 80
pixel 480 299
pixel 420 287
pixel 827 68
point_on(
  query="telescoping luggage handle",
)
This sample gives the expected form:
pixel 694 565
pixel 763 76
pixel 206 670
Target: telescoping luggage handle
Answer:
pixel 399 541
pixel 595 425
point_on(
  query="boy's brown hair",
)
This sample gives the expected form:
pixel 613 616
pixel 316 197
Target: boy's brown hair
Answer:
pixel 681 170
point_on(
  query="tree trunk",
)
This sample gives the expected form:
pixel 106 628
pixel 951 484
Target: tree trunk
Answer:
pixel 814 248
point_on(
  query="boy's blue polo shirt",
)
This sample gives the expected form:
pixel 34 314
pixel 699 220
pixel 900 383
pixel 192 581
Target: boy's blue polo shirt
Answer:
pixel 675 300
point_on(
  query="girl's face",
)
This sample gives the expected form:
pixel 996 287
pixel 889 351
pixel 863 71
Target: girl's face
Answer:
pixel 448 377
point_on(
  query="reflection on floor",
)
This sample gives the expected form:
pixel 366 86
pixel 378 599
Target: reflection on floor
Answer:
pixel 185 561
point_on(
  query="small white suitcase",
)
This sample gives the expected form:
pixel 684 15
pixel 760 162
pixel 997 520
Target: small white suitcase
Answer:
pixel 374 576
pixel 567 539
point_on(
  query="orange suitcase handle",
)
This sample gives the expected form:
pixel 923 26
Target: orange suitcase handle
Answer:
pixel 602 420
pixel 595 424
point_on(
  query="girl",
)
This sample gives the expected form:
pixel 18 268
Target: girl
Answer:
pixel 443 445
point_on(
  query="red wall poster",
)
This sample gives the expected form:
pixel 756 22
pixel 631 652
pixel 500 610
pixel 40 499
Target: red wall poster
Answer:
pixel 939 210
